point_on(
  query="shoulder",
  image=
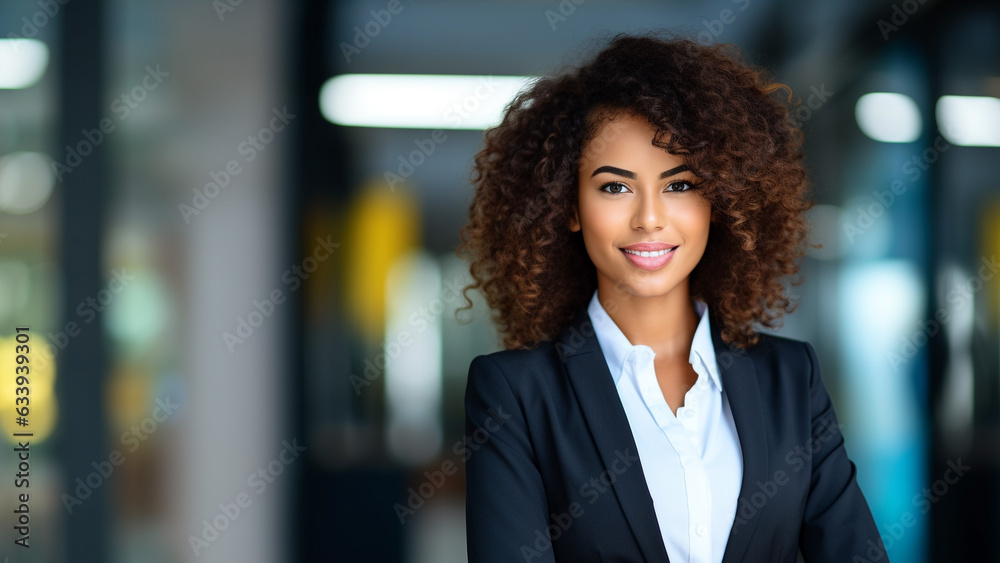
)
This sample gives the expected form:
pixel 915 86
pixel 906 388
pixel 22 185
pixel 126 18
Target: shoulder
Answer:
pixel 783 360
pixel 519 368
pixel 524 382
pixel 531 375
pixel 788 380
pixel 776 348
pixel 783 365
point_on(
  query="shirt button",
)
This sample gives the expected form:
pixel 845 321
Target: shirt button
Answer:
pixel 687 461
pixel 688 414
pixel 702 530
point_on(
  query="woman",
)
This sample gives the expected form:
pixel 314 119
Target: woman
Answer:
pixel 633 219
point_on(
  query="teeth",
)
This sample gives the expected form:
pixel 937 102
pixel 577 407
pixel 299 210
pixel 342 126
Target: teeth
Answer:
pixel 648 254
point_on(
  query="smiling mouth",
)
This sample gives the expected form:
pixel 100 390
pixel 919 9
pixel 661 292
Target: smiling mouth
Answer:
pixel 650 260
pixel 644 253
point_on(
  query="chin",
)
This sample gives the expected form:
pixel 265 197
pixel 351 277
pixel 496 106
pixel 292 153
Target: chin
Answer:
pixel 648 287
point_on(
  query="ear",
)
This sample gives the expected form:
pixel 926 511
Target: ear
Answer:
pixel 574 221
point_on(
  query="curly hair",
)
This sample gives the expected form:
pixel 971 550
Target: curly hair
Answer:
pixel 705 104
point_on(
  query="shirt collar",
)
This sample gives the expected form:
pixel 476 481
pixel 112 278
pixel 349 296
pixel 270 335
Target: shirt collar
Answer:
pixel 616 346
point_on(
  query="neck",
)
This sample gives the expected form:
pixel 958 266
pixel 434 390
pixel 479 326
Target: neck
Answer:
pixel 666 323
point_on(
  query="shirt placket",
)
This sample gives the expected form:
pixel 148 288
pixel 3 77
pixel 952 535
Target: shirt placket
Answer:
pixel 680 434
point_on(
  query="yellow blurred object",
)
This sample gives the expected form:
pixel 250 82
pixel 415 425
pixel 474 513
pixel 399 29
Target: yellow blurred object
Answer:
pixel 42 407
pixel 128 396
pixel 382 226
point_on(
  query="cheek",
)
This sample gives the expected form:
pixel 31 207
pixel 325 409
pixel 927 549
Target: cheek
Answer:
pixel 694 219
pixel 599 221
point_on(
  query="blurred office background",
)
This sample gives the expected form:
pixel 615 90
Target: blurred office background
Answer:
pixel 234 253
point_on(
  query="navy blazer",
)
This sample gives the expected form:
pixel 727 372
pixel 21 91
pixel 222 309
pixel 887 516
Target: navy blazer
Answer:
pixel 553 473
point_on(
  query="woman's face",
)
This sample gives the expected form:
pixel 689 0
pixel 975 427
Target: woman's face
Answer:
pixel 635 196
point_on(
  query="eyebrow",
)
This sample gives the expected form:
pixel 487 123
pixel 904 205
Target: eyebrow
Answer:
pixel 633 175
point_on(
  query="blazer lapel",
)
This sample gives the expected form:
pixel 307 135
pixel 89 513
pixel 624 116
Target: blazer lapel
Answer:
pixel 593 384
pixel 739 379
pixel 602 409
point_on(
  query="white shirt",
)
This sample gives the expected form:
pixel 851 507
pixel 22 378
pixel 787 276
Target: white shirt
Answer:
pixel 692 462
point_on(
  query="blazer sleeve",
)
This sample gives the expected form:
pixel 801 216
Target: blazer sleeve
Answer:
pixel 506 506
pixel 837 524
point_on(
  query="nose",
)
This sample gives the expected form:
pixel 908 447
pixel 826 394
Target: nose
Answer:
pixel 650 213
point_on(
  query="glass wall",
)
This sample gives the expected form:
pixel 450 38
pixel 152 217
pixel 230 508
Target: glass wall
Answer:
pixel 228 233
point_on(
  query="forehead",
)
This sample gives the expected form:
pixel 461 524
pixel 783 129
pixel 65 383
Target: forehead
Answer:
pixel 623 138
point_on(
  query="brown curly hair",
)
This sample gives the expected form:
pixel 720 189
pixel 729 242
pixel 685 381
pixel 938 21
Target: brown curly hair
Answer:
pixel 705 104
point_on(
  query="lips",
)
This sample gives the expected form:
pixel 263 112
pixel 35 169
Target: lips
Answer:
pixel 650 259
pixel 649 246
pixel 647 253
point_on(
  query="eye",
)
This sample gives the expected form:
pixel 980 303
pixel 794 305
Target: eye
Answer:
pixel 680 186
pixel 621 188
